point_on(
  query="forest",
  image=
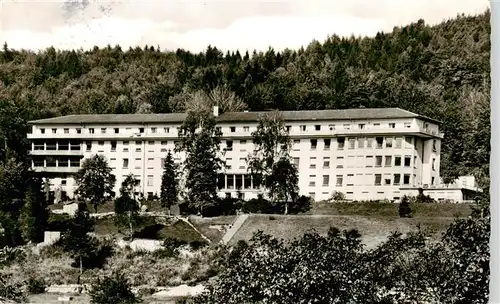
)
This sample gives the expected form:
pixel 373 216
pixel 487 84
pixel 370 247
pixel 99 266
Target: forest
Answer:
pixel 441 71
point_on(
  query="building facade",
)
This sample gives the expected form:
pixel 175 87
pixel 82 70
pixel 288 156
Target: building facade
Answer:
pixel 366 154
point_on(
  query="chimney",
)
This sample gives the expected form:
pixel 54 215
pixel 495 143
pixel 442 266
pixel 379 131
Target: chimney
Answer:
pixel 216 111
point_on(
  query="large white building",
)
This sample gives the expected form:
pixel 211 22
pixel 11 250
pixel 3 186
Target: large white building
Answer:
pixel 366 154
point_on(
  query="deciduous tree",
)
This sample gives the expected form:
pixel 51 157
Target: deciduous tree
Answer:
pixel 95 181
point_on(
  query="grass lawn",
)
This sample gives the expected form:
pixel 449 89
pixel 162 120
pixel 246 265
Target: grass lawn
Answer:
pixel 204 226
pixel 373 229
pixel 390 209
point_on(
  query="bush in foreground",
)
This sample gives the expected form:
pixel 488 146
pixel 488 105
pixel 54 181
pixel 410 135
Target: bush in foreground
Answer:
pixel 336 269
pixel 113 289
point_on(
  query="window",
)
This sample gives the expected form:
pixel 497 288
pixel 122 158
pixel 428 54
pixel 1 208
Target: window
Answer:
pixel 407 125
pixel 378 179
pixel 409 141
pixel 352 143
pixel 332 127
pixel 326 162
pixel 288 128
pixel 434 145
pixel 151 163
pixel 103 130
pixel 361 126
pixel 125 163
pixel 387 181
pixel 339 181
pixel 399 143
pixel 433 164
pixel 303 128
pixel 340 143
pixel 166 130
pixel 327 142
pixel 369 161
pixel 376 124
pixel 153 130
pixel 406 179
pixel 312 182
pixel 113 146
pixel 228 165
pixel 312 195
pixel 91 131
pixel 66 131
pixel 392 125
pixel 233 129
pixel 312 164
pixel 380 142
pixel 54 131
pixel 314 144
pixel 388 142
pixel 369 142
pixel 378 161
pixel 340 162
pixel 361 143
pixel 397 179
pixel 100 143
pixel 150 181
pixel 347 126
pixel 296 143
pixel 349 181
pixel 296 161
pixel 407 161
pixel 151 142
pixel 141 130
pixel 414 162
pixel 78 131
pixel 117 130
pixel 326 180
pixel 63 182
pixel 42 131
pixel 397 161
pixel 388 161
pixel 242 163
pixel 138 163
pixel 433 180
pixel 317 127
pixel 229 145
pixel 89 146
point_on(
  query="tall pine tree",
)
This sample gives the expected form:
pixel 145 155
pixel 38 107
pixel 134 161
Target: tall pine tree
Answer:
pixel 169 183
pixel 200 140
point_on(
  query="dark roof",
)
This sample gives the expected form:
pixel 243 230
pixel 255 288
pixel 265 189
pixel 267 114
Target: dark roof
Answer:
pixel 347 114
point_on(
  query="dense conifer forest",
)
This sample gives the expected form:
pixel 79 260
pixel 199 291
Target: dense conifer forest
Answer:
pixel 441 71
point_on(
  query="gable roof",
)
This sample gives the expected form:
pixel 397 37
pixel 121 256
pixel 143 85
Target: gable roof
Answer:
pixel 310 115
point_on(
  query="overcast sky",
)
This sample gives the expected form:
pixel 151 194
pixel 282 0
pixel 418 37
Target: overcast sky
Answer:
pixel 226 24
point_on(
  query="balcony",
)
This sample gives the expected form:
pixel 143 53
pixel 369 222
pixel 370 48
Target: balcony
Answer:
pixel 56 169
pixel 414 131
pixel 57 152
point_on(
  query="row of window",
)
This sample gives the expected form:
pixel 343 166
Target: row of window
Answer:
pixel 379 180
pixel 232 129
pixel 367 161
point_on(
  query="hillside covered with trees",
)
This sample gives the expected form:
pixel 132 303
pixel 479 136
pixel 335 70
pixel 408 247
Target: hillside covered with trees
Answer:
pixel 441 71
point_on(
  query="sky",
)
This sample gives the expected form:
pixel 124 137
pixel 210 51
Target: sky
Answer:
pixel 194 24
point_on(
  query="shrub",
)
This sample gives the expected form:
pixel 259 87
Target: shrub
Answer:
pixel 337 197
pixel 113 289
pixel 303 204
pixel 150 232
pixel 404 209
pixel 35 285
pixel 10 290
